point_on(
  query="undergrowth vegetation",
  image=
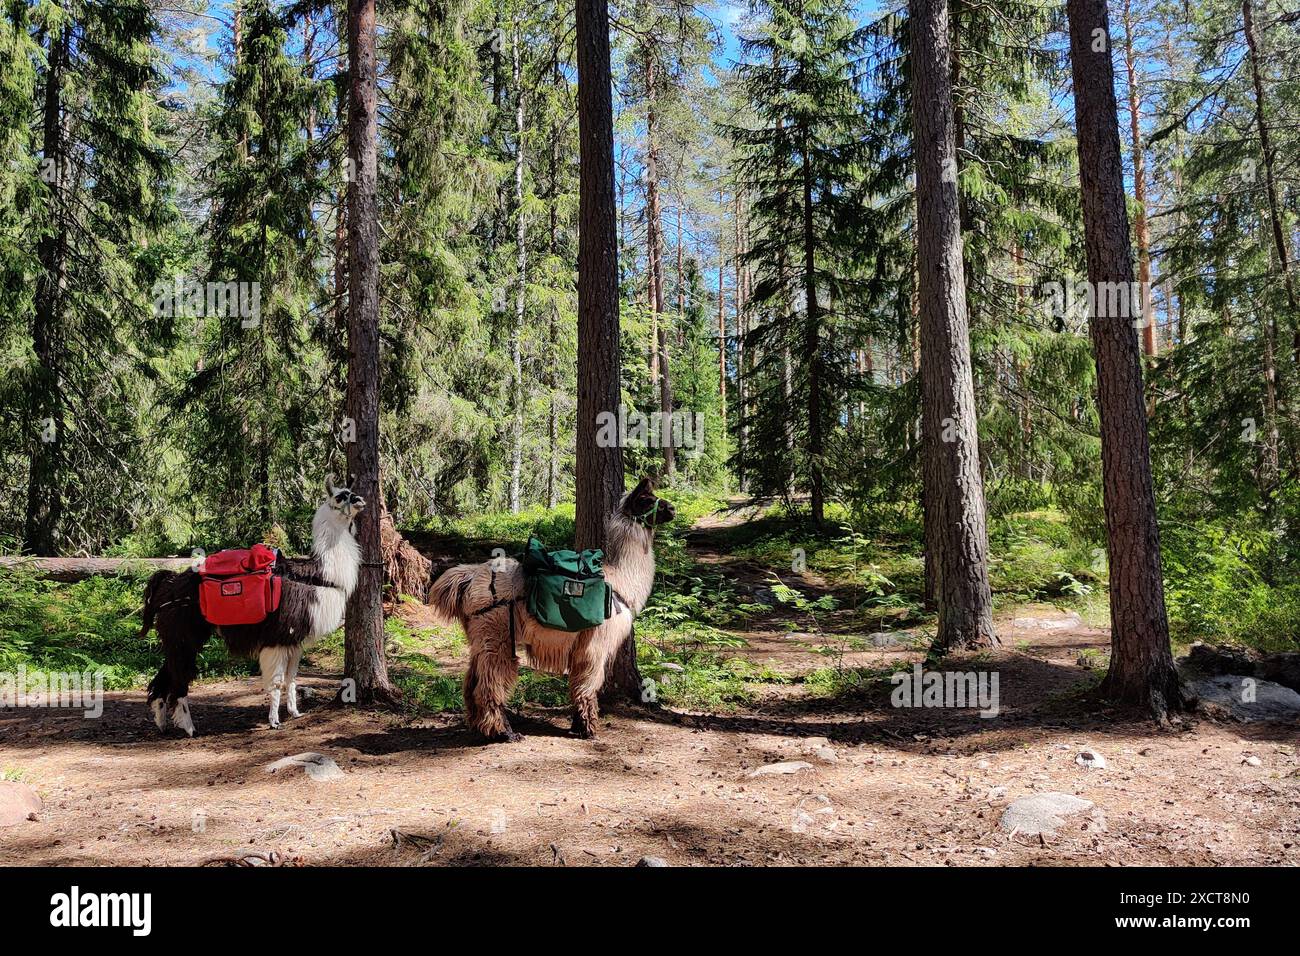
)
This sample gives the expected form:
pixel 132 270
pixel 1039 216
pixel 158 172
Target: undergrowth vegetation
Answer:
pixel 691 634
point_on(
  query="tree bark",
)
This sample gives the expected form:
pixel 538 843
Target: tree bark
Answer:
pixel 363 661
pixel 71 570
pixel 1141 231
pixel 598 471
pixel 521 290
pixel 46 424
pixel 955 491
pixel 552 376
pixel 1270 176
pixel 1141 666
pixel 654 239
pixel 722 329
pixel 812 344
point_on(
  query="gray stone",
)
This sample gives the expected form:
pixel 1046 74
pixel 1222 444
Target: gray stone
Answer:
pixel 317 766
pixel 1043 813
pixel 784 767
pixel 1253 761
pixel 652 861
pixel 884 639
pixel 18 803
pixel 1248 698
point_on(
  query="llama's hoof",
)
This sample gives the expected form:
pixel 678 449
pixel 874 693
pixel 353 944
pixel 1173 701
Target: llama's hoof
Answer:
pixel 583 729
pixel 159 713
pixel 273 723
pixel 181 716
pixel 505 737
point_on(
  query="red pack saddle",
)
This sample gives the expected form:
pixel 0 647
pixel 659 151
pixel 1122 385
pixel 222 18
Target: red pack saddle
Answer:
pixel 239 586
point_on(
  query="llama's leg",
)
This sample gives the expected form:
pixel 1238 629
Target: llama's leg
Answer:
pixel 291 681
pixel 183 635
pixel 181 715
pixel 493 670
pixel 586 674
pixel 274 661
pixel 158 692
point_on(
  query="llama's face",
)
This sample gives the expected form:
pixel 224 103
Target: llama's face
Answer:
pixel 344 502
pixel 644 506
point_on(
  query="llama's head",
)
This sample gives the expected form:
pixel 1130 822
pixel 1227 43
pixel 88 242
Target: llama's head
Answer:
pixel 643 506
pixel 341 503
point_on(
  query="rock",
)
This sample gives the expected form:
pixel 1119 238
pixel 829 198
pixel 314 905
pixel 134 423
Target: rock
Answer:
pixel 784 767
pixel 317 766
pixel 1211 661
pixel 18 803
pixel 982 765
pixel 652 861
pixel 673 666
pixel 1047 623
pixel 995 793
pixel 827 754
pixel 1253 761
pixel 1281 668
pixel 1206 660
pixel 1091 760
pixel 884 639
pixel 1247 698
pixel 1043 813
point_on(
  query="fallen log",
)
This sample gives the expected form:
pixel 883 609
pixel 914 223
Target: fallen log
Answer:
pixel 71 570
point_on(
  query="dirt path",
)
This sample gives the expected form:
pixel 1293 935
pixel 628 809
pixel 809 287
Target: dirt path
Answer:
pixel 877 784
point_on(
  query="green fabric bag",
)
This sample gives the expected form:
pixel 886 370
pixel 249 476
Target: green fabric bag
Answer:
pixel 566 590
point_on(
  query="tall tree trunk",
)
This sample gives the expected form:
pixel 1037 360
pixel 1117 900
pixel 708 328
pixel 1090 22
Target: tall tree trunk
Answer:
pixel 47 414
pixel 812 349
pixel 363 661
pixel 654 236
pixel 1141 231
pixel 1141 666
pixel 521 289
pixel 553 331
pixel 1253 45
pixel 341 208
pixel 599 467
pixel 722 330
pixel 955 495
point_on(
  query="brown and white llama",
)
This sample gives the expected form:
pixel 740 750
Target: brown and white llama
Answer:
pixel 313 597
pixel 490 602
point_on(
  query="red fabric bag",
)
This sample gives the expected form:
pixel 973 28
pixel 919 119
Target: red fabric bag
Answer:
pixel 239 586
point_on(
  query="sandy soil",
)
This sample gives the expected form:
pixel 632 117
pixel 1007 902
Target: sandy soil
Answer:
pixel 880 784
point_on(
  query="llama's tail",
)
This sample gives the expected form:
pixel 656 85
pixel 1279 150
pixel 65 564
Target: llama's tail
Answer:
pixel 447 594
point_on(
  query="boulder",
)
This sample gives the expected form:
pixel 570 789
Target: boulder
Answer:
pixel 18 803
pixel 1043 813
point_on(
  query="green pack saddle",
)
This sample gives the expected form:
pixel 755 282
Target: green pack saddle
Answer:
pixel 567 590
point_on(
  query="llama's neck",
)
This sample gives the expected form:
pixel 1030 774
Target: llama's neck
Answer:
pixel 335 549
pixel 629 560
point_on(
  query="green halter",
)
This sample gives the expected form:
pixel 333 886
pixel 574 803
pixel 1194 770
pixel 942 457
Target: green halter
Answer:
pixel 645 518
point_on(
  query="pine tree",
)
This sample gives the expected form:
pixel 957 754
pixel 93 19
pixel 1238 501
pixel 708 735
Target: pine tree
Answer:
pixel 801 166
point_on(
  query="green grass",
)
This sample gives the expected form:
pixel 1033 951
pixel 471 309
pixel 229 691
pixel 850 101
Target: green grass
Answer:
pixel 91 625
pixel 1215 591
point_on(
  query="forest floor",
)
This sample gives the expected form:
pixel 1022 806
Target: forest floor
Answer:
pixel 859 781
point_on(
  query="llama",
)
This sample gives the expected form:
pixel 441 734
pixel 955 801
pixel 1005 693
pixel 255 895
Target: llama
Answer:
pixel 489 602
pixel 313 597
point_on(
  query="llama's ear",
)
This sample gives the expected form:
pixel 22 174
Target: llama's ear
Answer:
pixel 644 487
pixel 329 485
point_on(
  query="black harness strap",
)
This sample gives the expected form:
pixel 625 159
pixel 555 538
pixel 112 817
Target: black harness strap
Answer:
pixel 499 602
